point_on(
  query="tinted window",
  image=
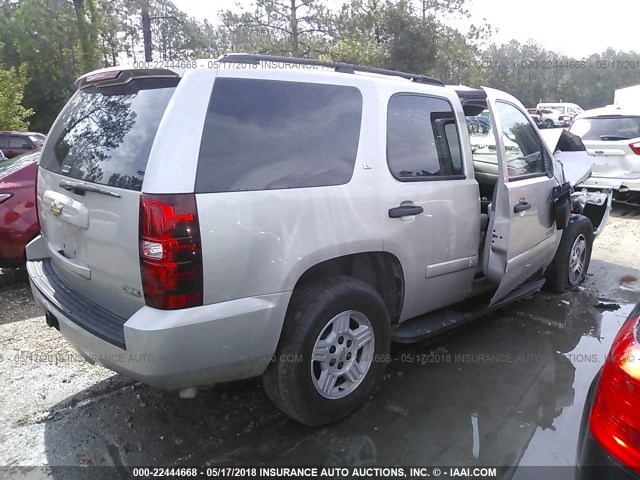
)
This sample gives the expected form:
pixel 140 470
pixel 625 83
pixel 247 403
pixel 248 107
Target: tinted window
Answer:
pixel 451 132
pixel 607 128
pixel 18 142
pixel 419 146
pixel 105 135
pixel 523 146
pixel 261 135
pixel 4 140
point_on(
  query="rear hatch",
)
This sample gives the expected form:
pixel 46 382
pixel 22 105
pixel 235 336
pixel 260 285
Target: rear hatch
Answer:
pixel 613 142
pixel 89 184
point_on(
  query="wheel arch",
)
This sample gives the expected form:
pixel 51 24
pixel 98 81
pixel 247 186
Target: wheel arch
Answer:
pixel 381 270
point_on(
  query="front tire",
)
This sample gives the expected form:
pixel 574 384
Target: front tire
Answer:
pixel 569 267
pixel 333 350
pixel 548 123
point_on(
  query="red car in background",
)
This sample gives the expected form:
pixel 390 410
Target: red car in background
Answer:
pixel 16 143
pixel 18 219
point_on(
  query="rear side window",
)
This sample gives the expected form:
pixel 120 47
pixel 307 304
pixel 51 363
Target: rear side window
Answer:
pixel 607 128
pixel 4 140
pixel 104 135
pixel 17 141
pixel 422 139
pixel 263 135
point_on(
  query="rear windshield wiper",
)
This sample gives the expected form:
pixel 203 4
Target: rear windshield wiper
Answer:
pixel 82 188
pixel 613 137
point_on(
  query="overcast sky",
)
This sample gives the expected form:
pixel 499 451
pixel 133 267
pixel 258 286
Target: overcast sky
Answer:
pixel 573 27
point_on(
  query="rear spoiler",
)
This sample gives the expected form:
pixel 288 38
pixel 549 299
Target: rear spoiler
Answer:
pixel 115 76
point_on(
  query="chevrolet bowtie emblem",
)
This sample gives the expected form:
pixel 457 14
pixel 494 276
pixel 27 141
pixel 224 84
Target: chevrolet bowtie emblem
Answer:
pixel 56 207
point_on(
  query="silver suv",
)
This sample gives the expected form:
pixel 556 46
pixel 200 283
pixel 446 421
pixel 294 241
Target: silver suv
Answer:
pixel 290 218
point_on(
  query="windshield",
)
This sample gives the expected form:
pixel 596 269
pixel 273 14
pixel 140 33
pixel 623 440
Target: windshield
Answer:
pixel 104 135
pixel 607 128
pixel 38 139
pixel 9 166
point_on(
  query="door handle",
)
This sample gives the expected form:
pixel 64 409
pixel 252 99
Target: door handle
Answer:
pixel 522 206
pixel 405 211
pixel 75 266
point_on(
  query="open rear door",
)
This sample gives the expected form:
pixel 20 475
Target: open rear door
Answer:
pixel 521 238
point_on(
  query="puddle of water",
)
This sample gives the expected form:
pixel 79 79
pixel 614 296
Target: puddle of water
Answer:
pixel 507 391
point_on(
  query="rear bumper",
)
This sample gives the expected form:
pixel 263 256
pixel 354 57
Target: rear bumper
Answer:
pixel 616 183
pixel 174 349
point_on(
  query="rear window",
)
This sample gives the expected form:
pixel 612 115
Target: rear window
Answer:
pixel 104 135
pixel 607 128
pixel 264 134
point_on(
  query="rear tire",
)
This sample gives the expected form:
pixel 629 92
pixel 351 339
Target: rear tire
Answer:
pixel 333 350
pixel 548 123
pixel 571 263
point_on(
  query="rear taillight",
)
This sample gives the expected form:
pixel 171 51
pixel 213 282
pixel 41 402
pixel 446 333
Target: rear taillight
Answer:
pixel 170 251
pixel 615 417
pixel 635 147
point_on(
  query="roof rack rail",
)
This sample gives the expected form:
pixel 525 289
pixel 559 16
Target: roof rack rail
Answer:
pixel 337 66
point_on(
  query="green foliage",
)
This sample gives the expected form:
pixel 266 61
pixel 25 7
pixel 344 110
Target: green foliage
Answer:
pixel 13 115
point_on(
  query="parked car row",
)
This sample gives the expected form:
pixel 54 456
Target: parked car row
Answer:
pixel 549 118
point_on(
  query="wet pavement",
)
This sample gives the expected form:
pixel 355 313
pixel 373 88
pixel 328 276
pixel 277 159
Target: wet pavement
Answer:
pixel 507 390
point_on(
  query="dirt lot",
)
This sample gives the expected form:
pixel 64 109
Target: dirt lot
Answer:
pixel 620 241
pixel 58 410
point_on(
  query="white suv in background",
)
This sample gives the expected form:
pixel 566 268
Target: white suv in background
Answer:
pixel 612 137
pixel 550 118
pixel 570 109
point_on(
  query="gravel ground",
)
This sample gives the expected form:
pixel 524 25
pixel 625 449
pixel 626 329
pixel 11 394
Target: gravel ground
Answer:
pixel 619 242
pixel 44 380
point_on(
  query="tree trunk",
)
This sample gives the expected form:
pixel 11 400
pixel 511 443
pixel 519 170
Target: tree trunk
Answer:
pixel 146 34
pixel 293 27
pixel 85 42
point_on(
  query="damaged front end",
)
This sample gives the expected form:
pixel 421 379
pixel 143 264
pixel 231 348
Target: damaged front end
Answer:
pixel 570 152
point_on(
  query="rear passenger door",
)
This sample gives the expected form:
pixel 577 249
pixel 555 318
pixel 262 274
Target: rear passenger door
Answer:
pixel 430 207
pixel 521 238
